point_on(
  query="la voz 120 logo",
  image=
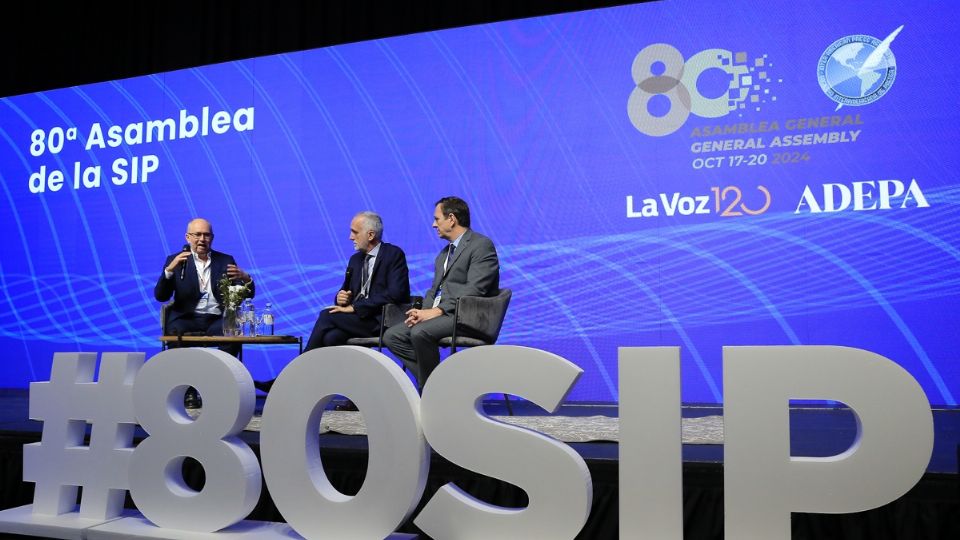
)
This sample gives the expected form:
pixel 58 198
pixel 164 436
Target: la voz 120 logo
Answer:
pixel 668 89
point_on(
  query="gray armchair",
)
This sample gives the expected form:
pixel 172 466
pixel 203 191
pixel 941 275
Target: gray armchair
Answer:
pixel 163 318
pixel 164 313
pixel 479 320
pixel 392 314
pixel 163 323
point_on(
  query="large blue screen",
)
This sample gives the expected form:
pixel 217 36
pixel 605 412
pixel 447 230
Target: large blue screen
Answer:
pixel 677 173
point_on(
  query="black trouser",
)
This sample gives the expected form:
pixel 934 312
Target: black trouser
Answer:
pixel 336 328
pixel 417 346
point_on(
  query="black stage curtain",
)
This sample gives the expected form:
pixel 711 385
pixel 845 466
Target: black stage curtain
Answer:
pixel 48 45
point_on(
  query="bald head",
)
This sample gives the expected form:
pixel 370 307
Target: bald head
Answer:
pixel 200 237
pixel 201 223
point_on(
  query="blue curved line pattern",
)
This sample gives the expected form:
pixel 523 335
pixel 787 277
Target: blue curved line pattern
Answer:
pixel 881 302
pixel 919 234
pixel 169 157
pixel 23 240
pixel 55 234
pixel 382 125
pixel 335 131
pixel 90 288
pixel 227 192
pixel 260 172
pixel 583 74
pixel 478 100
pixel 432 119
pixel 147 195
pixel 580 179
pixel 689 344
pixel 121 225
pixel 342 146
pixel 221 182
pixel 668 317
pixel 577 329
pixel 743 280
pixel 86 222
pixel 298 152
pixel 22 329
pixel 258 164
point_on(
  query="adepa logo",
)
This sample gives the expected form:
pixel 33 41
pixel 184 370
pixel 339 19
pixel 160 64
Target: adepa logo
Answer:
pixel 710 84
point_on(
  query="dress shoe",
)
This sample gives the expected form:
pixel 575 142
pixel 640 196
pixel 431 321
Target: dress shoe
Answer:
pixel 346 406
pixel 191 399
pixel 264 386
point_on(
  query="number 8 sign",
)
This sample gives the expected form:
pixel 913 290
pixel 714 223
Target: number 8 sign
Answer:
pixel 659 70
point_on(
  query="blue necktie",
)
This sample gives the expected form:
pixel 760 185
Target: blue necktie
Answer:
pixel 446 265
pixel 449 260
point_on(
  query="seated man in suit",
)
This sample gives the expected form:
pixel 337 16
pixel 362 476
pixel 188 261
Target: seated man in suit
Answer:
pixel 378 275
pixel 467 266
pixel 191 278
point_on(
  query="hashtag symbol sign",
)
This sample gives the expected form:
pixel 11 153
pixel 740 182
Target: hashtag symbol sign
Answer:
pixel 60 462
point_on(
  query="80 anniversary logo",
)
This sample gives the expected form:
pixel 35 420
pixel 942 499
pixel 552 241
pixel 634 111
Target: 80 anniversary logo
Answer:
pixel 661 73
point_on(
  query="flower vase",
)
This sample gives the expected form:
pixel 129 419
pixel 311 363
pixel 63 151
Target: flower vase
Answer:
pixel 230 321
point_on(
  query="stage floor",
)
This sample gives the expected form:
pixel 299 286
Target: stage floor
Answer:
pixel 815 431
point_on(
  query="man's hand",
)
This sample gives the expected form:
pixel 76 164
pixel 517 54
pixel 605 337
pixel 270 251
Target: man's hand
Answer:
pixel 234 272
pixel 341 309
pixel 417 316
pixel 175 263
pixel 344 297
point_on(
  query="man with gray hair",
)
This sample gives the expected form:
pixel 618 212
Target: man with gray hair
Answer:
pixel 377 274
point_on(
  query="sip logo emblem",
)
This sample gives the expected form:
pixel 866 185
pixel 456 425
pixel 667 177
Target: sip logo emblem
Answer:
pixel 858 70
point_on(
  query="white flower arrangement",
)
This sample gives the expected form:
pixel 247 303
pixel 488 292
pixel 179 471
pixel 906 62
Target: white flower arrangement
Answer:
pixel 233 295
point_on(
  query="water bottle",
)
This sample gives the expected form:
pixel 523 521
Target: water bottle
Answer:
pixel 267 319
pixel 242 318
pixel 250 323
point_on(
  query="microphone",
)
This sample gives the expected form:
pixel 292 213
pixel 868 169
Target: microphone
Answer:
pixel 417 302
pixel 183 265
pixel 346 279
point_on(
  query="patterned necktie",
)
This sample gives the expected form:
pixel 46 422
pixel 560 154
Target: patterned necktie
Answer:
pixel 446 264
pixel 365 277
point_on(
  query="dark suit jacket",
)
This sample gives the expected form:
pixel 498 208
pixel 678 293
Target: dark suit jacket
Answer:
pixel 389 282
pixel 475 271
pixel 186 291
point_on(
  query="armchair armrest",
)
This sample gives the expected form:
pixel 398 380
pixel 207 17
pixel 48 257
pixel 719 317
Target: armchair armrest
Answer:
pixel 482 316
pixel 391 315
pixel 394 314
pixel 163 317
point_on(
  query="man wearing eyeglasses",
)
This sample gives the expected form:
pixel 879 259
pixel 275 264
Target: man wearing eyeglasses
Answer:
pixel 191 277
pixel 466 266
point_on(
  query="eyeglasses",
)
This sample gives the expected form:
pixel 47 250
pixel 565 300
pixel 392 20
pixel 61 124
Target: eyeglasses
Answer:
pixel 199 235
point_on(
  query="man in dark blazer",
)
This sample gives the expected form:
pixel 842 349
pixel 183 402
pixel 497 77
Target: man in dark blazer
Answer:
pixel 192 277
pixel 467 266
pixel 358 308
pixel 378 275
